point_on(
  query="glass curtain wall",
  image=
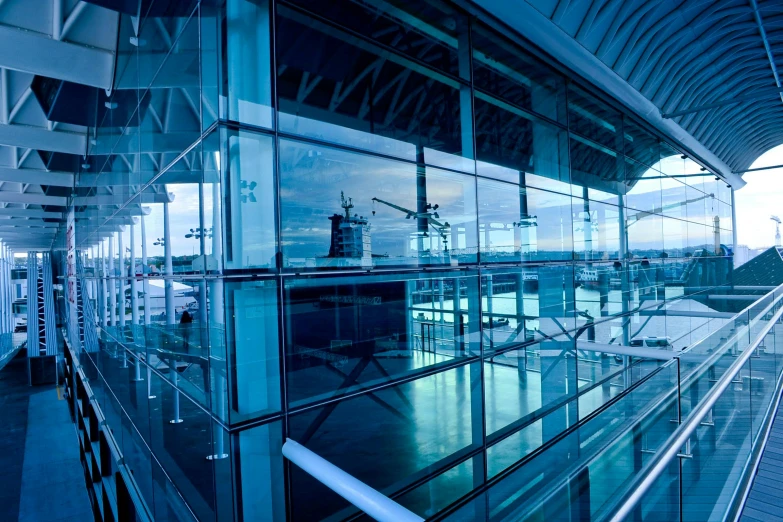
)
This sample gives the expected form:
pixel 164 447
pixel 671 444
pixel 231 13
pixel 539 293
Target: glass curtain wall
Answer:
pixel 381 229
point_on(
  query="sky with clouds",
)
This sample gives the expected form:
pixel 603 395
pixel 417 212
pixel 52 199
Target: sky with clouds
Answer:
pixel 761 198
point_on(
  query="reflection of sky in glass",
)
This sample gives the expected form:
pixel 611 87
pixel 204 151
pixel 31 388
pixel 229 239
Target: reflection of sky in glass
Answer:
pixel 183 215
pixel 312 178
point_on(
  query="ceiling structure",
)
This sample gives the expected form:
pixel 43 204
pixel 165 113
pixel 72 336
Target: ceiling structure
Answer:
pixel 77 42
pixel 703 72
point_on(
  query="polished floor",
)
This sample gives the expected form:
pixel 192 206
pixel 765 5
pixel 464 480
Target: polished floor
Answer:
pixel 41 477
pixel 765 501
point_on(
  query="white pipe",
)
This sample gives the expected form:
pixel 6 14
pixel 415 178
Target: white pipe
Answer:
pixel 121 296
pixel 168 284
pixel 374 503
pixel 112 284
pixel 145 281
pixel 133 285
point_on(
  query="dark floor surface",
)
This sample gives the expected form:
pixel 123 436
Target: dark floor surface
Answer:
pixel 765 501
pixel 41 477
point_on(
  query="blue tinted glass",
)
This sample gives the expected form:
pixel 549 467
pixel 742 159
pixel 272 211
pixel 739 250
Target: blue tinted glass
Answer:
pixel 354 93
pixel 351 333
pixel 343 209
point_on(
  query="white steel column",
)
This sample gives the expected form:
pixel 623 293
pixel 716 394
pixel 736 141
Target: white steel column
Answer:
pixel 7 293
pixel 112 284
pixel 144 275
pixel 121 260
pixel 102 297
pixel 168 269
pixel 3 293
pixel 94 281
pixel 133 290
pixel 216 286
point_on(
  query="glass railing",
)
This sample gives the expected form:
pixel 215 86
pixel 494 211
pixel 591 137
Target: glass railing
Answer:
pixel 677 445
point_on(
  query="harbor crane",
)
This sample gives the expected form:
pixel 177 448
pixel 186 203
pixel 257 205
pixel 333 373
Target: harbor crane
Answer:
pixel 777 229
pixel 431 219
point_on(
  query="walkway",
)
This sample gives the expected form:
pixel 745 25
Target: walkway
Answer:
pixel 765 502
pixel 41 477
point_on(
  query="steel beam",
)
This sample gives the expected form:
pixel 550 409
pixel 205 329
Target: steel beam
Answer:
pixel 34 53
pixel 40 138
pixel 36 177
pixel 32 199
pixel 144 198
pixel 10 213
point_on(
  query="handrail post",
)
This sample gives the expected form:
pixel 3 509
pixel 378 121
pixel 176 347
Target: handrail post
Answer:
pixel 174 376
pixel 682 435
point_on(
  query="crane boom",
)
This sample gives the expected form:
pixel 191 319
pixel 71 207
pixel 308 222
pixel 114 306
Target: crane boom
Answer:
pixel 655 211
pixel 412 214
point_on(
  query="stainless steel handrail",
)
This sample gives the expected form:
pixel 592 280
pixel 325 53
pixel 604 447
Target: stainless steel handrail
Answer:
pixel 371 501
pixel 679 438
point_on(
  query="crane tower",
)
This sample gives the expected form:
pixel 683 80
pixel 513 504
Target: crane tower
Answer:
pixel 777 230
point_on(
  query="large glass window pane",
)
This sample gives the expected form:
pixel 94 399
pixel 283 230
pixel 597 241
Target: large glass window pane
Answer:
pixel 247 62
pixel 596 230
pixel 526 224
pixel 336 87
pixel 259 480
pixel 640 144
pixel 508 72
pixel 343 209
pixel 594 120
pixel 510 140
pixel 434 33
pixel 595 166
pixel 349 333
pixel 675 197
pixel 401 433
pixel 252 344
pixel 540 375
pixel 249 195
pixel 643 186
pixel 169 33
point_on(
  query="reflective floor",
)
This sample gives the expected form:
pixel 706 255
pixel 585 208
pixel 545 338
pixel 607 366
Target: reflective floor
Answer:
pixel 41 477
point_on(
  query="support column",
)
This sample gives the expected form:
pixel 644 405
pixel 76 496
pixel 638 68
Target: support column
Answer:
pixel 121 296
pixel 112 284
pixel 144 275
pixel 133 290
pixel 102 313
pixel 625 292
pixel 3 293
pixel 624 284
pixel 4 308
pixel 168 268
pixel 217 318
pixel 588 224
pixel 94 282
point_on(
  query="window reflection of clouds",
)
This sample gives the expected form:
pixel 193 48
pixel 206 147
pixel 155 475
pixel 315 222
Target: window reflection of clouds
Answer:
pixel 313 177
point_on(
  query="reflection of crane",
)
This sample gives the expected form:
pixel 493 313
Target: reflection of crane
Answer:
pixel 431 218
pixel 656 211
pixel 777 229
pixel 526 220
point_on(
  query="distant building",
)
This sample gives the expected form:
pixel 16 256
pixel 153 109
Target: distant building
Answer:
pixel 743 254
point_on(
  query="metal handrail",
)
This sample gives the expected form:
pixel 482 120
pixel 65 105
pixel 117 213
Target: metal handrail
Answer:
pixel 680 437
pixel 371 501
